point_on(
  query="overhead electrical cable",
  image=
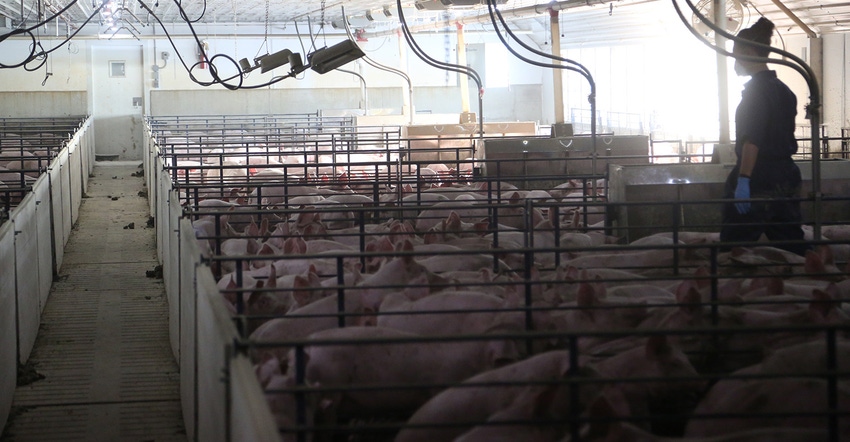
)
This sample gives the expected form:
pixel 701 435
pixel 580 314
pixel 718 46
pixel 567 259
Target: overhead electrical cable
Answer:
pixel 466 70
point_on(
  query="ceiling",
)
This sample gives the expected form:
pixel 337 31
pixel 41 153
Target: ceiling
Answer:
pixel 381 16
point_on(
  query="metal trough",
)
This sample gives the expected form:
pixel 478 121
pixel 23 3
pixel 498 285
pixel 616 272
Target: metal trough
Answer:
pixel 560 158
pixel 643 196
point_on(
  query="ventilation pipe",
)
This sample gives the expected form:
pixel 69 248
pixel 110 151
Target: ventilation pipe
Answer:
pixel 517 13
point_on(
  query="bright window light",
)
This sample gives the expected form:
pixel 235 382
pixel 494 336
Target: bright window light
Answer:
pixel 496 65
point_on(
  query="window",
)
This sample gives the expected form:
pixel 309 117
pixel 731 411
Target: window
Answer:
pixel 116 69
pixel 497 66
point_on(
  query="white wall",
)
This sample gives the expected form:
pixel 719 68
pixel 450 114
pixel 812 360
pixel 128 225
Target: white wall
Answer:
pixel 668 80
pixel 434 90
pixel 64 93
pixel 68 64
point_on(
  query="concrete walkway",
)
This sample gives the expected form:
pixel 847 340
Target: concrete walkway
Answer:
pixel 103 349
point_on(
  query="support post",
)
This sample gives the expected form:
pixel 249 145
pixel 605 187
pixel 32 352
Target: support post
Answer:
pixel 557 82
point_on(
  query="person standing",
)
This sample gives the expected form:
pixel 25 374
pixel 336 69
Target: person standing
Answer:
pixel 764 145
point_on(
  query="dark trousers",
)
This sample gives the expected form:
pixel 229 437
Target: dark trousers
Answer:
pixel 778 219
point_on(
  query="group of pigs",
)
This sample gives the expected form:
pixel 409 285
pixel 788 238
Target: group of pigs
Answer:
pixel 454 315
pixel 19 168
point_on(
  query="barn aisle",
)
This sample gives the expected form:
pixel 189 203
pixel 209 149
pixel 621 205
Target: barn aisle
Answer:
pixel 102 367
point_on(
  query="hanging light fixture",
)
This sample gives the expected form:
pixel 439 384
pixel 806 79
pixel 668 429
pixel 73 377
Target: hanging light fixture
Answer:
pixel 329 58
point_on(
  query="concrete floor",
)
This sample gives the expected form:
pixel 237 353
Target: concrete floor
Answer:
pixel 103 349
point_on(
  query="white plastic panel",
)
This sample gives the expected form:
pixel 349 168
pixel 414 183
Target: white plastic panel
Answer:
pixel 86 134
pixel 251 418
pixel 57 197
pixel 189 259
pixel 215 332
pixel 151 165
pixel 65 186
pixel 75 172
pixel 162 215
pixel 172 276
pixel 41 194
pixel 8 337
pixel 26 272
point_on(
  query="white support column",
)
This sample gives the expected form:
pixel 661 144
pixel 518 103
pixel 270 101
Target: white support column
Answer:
pixel 722 77
pixel 557 82
pixel 464 79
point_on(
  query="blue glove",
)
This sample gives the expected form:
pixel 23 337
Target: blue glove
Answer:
pixel 743 192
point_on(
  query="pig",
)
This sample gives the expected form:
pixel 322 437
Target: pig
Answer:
pixel 370 364
pixel 465 406
pixel 283 405
pixel 461 408
pixel 238 247
pixel 639 260
pixel 504 317
pixel 313 317
pixel 756 399
pixel 738 350
pixel 593 311
pixel 529 418
pixel 603 426
pixel 656 358
pixel 808 358
pixel 392 276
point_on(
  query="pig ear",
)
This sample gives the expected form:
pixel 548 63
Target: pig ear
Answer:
pixel 253 246
pixel 266 249
pixel 369 318
pixel 272 281
pixel 702 274
pixel 407 246
pixel 301 292
pixel 431 238
pixel 821 306
pixel 290 246
pixel 690 301
pixel 586 296
pixel 683 288
pixel 252 229
pixel 384 245
pixel 814 263
pixel 608 404
pixel 515 198
pixel 231 283
pixel 832 291
pixel 825 253
pixel 452 221
pixel 657 346
pixel 264 227
pixel 302 245
pixel 542 401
